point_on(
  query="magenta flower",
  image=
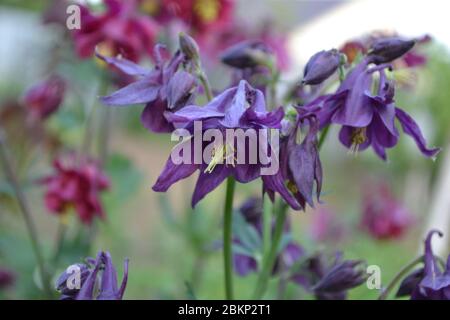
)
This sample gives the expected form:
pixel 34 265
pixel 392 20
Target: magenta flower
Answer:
pixel 92 285
pixel 383 216
pixel 118 30
pixel 199 16
pixel 7 278
pixel 75 184
pixel 325 226
pixel 44 98
pixel 163 89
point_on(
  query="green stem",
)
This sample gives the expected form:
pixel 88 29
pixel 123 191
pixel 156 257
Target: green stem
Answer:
pixel 228 238
pixel 205 83
pixel 267 221
pixel 60 237
pixel 268 264
pixel 323 136
pixel 24 209
pixel 385 293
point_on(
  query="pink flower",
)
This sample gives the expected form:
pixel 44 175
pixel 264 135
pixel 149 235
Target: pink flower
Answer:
pixel 118 30
pixel 200 16
pixel 45 97
pixel 76 185
pixel 383 216
pixel 325 227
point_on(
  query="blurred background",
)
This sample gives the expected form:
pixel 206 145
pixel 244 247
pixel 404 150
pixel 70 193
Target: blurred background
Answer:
pixel 171 247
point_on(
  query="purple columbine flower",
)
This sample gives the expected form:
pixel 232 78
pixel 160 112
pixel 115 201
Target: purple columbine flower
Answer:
pixel 300 166
pixel 321 66
pixel 90 287
pixel 241 107
pixel 162 89
pixel 429 282
pixel 330 281
pixel 7 278
pixel 368 119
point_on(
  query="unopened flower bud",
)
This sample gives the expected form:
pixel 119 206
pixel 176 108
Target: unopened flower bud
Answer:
pixel 64 285
pixel 387 50
pixel 189 47
pixel 321 66
pixel 247 54
pixel 180 90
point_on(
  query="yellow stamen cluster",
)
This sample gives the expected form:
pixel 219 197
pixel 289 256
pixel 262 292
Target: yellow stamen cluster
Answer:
pixel 292 187
pixel 219 155
pixel 150 7
pixel 358 137
pixel 207 10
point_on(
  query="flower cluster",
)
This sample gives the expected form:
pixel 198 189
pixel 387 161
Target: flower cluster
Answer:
pixel 82 281
pixel 324 278
pixel 76 183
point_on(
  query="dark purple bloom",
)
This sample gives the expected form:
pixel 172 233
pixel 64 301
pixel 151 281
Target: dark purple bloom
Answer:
pixel 429 282
pixel 300 166
pixel 330 281
pixel 367 119
pixel 162 89
pixel 241 107
pixel 321 66
pixel 385 50
pixel 90 286
pixel 247 54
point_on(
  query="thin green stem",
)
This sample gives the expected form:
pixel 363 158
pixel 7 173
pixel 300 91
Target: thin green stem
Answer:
pixel 323 136
pixel 268 263
pixel 24 209
pixel 402 273
pixel 228 238
pixel 59 241
pixel 267 221
pixel 205 83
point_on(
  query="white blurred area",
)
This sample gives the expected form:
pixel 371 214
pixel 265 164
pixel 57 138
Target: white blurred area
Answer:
pixel 413 18
pixel 351 19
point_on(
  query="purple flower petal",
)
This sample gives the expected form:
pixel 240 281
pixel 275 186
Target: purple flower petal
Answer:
pixel 141 91
pixel 411 128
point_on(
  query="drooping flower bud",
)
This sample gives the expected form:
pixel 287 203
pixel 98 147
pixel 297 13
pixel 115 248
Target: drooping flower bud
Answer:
pixel 189 47
pixel 180 90
pixel 45 97
pixel 387 50
pixel 321 66
pixel 63 282
pixel 247 54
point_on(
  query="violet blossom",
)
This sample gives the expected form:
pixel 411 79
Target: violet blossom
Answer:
pixel 92 285
pixel 368 119
pixel 432 282
pixel 241 107
pixel 163 90
pixel 300 166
